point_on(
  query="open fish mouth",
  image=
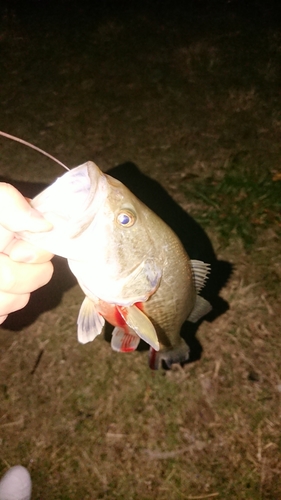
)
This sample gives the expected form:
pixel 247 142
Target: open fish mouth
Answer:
pixel 70 204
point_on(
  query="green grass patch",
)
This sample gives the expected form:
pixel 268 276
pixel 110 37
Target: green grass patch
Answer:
pixel 243 203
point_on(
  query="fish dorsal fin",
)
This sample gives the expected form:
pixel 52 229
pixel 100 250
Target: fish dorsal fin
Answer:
pixel 201 308
pixel 141 324
pixel 200 273
pixel 124 341
pixel 90 323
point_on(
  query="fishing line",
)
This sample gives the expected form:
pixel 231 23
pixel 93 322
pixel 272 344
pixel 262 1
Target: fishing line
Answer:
pixel 17 139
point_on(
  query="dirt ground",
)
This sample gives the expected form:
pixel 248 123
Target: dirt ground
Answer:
pixel 188 94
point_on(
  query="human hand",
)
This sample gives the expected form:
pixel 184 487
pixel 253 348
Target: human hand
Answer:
pixel 23 267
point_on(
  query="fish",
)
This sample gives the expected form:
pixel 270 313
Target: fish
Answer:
pixel 131 266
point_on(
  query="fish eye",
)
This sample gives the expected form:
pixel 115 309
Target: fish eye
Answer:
pixel 126 218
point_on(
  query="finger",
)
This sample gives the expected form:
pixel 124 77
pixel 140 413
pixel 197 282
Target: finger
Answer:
pixel 22 251
pixel 5 238
pixel 2 318
pixel 16 214
pixel 10 302
pixel 16 277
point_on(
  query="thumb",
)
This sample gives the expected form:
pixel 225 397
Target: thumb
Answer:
pixel 16 214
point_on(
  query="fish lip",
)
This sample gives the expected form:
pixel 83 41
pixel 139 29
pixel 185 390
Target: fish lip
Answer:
pixel 94 173
pixel 94 200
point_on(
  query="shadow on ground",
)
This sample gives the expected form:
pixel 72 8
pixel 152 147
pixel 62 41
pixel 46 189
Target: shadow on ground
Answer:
pixel 191 234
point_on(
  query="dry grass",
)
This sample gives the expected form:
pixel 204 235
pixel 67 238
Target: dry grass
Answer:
pixel 181 101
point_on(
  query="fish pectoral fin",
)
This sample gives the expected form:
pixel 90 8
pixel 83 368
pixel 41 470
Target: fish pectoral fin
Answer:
pixel 89 323
pixel 201 270
pixel 124 341
pixel 201 308
pixel 141 324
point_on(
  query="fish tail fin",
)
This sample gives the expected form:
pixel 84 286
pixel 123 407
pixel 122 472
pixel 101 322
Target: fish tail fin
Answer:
pixel 166 358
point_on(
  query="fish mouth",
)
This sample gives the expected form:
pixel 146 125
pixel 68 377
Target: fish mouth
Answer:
pixel 70 204
pixel 94 173
pixel 95 190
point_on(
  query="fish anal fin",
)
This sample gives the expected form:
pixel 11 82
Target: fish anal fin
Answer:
pixel 141 324
pixel 201 270
pixel 124 341
pixel 201 308
pixel 89 323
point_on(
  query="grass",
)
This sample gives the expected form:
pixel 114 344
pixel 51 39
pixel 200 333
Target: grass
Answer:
pixel 193 99
pixel 245 202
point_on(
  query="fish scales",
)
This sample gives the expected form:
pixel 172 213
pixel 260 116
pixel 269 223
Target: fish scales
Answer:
pixel 176 296
pixel 131 266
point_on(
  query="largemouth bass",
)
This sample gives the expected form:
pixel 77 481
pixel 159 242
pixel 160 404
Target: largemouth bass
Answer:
pixel 131 266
